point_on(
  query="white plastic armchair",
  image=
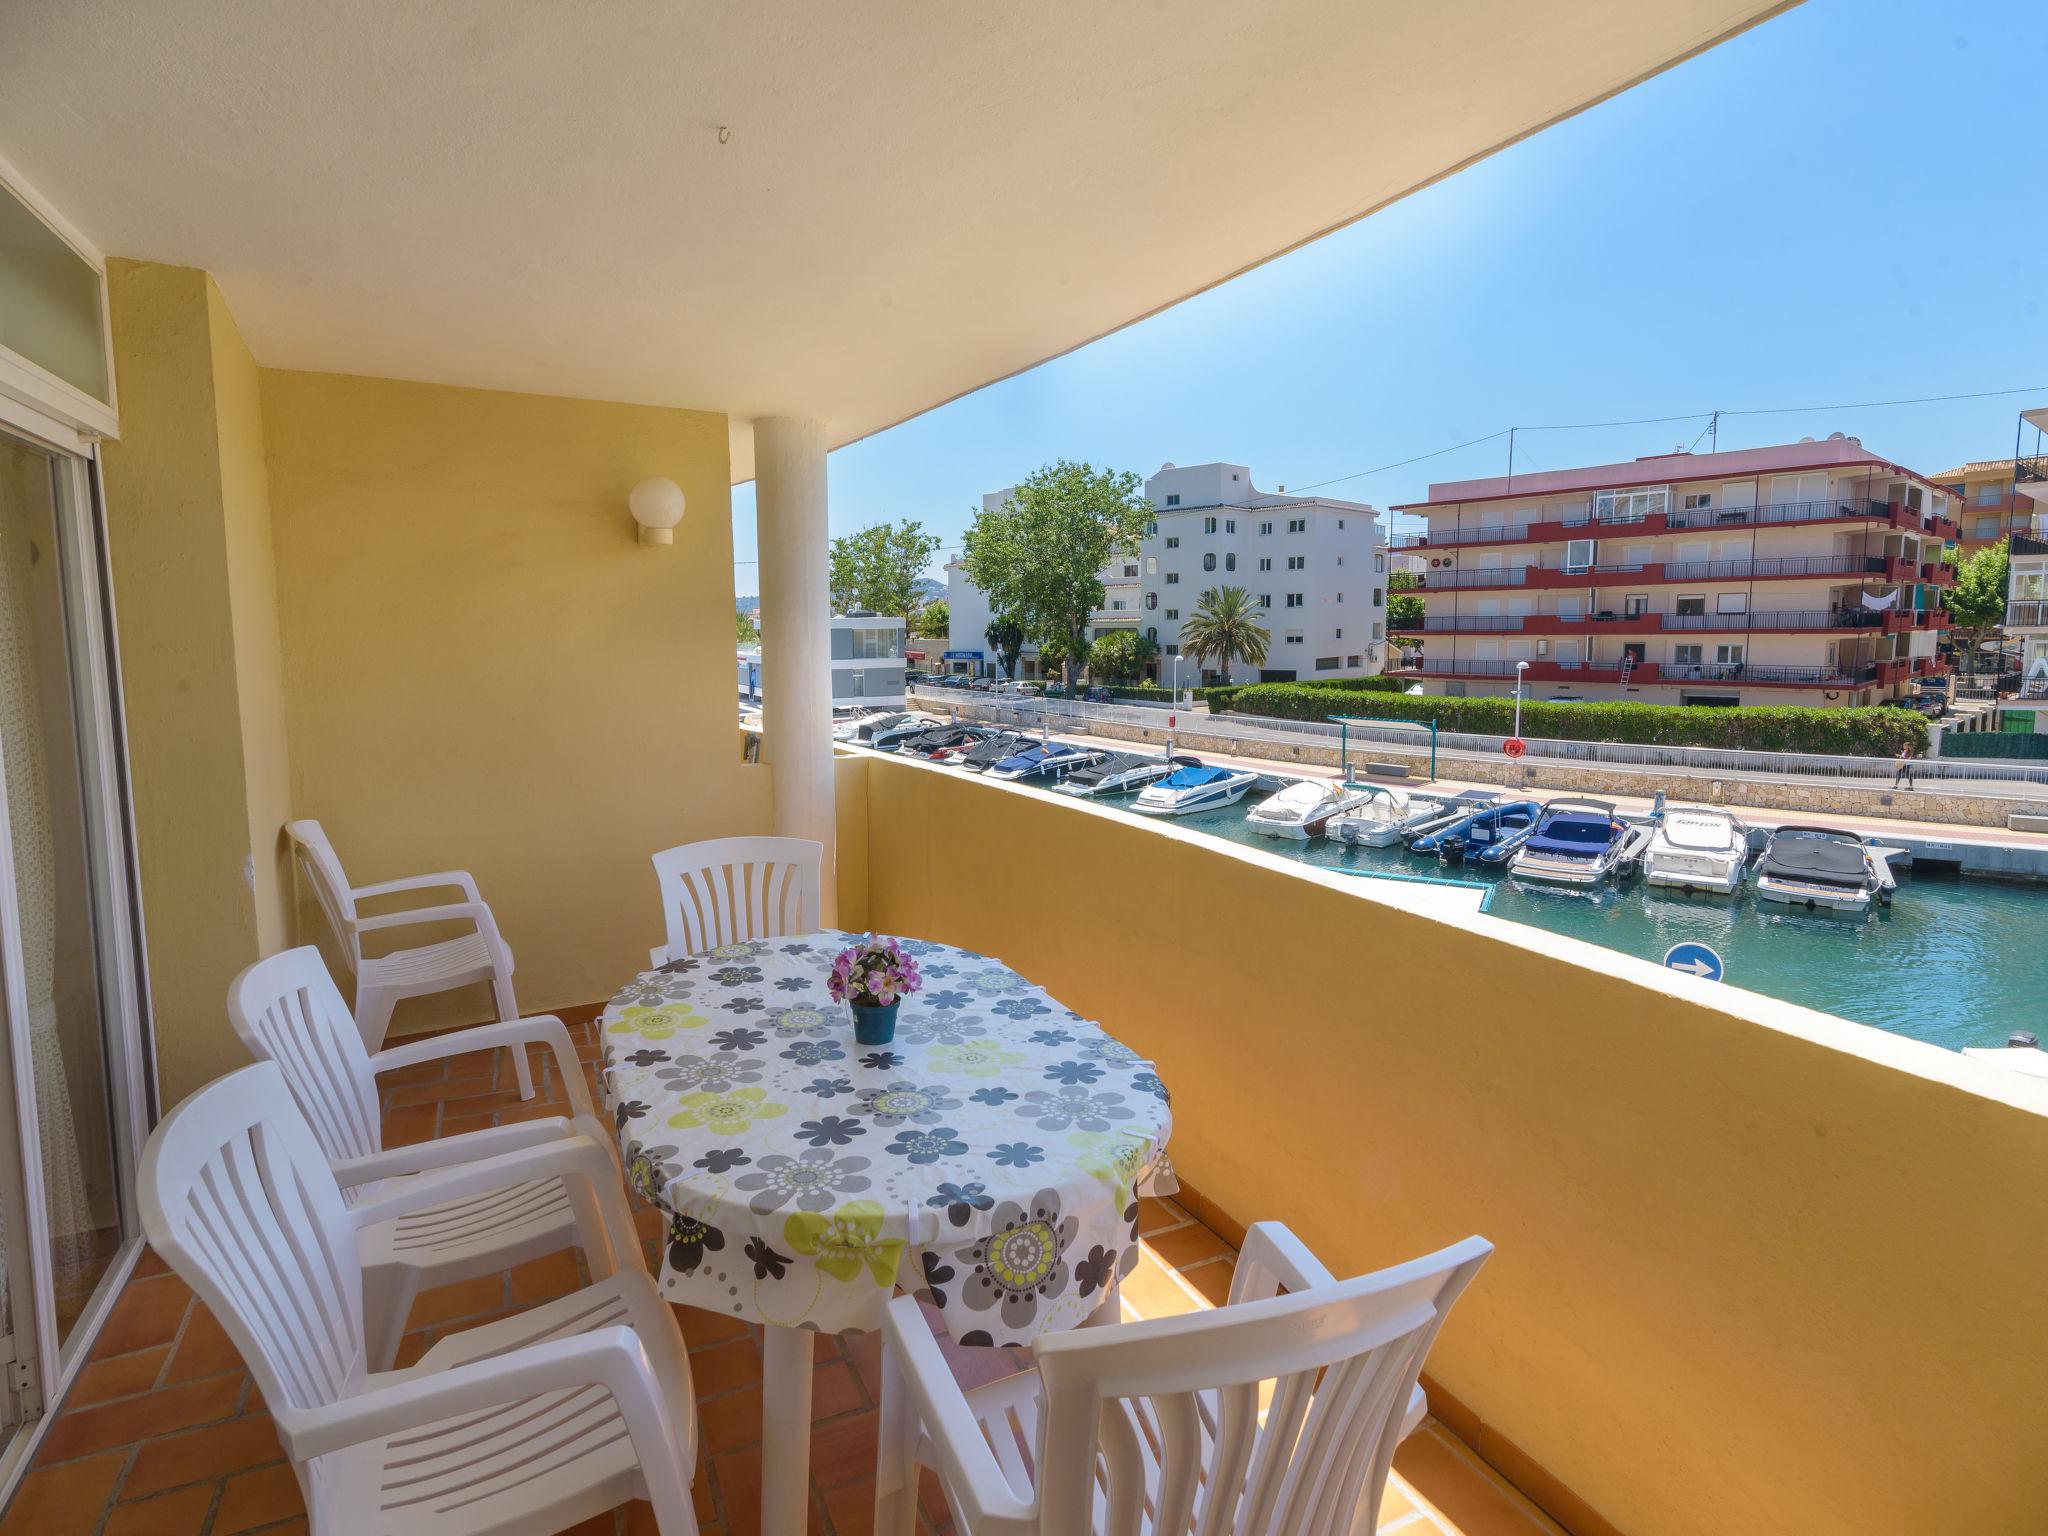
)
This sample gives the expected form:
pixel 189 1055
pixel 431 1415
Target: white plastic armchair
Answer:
pixel 287 1010
pixel 1154 1428
pixel 733 888
pixel 525 1425
pixel 385 981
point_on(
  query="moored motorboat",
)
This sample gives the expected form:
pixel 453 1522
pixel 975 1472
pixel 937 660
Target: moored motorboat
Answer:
pixel 885 736
pixel 1382 815
pixel 1122 773
pixel 861 727
pixel 938 744
pixel 1823 869
pixel 1578 842
pixel 1489 833
pixel 1302 809
pixel 1695 848
pixel 2021 1053
pixel 1188 790
pixel 1043 760
pixel 984 755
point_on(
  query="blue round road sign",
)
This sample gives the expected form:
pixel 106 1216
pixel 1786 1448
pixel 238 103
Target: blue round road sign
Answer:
pixel 1694 960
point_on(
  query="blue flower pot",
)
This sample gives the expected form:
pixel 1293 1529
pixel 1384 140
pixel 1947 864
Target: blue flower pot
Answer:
pixel 875 1025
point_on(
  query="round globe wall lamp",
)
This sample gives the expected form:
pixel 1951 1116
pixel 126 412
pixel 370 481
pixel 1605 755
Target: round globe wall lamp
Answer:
pixel 657 506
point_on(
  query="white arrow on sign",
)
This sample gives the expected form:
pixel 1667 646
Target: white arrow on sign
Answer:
pixel 1695 967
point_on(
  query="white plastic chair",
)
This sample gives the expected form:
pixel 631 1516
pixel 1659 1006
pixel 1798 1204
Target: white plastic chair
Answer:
pixel 287 1010
pixel 733 888
pixel 385 981
pixel 1155 1427
pixel 525 1425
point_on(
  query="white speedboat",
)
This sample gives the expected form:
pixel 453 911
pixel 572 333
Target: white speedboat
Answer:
pixel 1823 869
pixel 1302 810
pixel 1693 848
pixel 1578 842
pixel 2020 1053
pixel 1382 816
pixel 1043 760
pixel 1188 790
pixel 860 727
pixel 884 737
pixel 1122 773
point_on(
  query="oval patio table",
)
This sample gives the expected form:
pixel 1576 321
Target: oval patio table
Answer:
pixel 988 1159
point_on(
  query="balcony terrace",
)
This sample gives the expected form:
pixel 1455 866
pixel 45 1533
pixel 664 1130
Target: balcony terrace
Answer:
pixel 1877 568
pixel 2027 614
pixel 1648 673
pixel 1891 515
pixel 1805 621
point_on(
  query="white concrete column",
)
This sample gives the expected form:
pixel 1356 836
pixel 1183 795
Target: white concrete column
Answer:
pixel 796 630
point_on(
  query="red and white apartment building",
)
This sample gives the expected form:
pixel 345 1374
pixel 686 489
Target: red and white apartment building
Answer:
pixel 1803 573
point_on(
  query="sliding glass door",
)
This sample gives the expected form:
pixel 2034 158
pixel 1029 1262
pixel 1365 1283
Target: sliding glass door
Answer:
pixel 72 1101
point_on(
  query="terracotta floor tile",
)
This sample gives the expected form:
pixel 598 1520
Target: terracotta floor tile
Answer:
pixel 82 1431
pixel 852 1508
pixel 174 1460
pixel 1155 1214
pixel 724 1367
pixel 149 1312
pixel 259 1497
pixel 465 1298
pixel 701 1327
pixel 150 1263
pixel 1457 1483
pixel 542 1279
pixel 411 1347
pixel 414 1123
pixel 843 1450
pixel 732 1421
pixel 169 1514
pixel 72 1495
pixel 1186 1245
pixel 121 1376
pixel 204 1349
pixel 1212 1280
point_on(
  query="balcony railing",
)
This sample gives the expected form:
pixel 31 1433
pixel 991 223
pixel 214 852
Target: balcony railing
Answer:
pixel 1754 674
pixel 2026 470
pixel 1878 567
pixel 2027 613
pixel 1878 620
pixel 1685 519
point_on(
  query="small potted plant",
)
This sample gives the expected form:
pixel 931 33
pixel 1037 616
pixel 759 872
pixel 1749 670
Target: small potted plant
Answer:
pixel 873 977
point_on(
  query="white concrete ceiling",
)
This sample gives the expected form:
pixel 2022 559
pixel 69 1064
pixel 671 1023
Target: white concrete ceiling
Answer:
pixel 914 199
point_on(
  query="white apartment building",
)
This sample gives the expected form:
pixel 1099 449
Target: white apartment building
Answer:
pixel 2026 612
pixel 1314 566
pixel 867 663
pixel 1802 573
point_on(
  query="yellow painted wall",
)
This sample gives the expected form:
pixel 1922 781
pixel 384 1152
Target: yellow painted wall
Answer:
pixel 483 668
pixel 187 519
pixel 1758 1270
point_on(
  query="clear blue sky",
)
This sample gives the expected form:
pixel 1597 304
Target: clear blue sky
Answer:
pixel 1848 203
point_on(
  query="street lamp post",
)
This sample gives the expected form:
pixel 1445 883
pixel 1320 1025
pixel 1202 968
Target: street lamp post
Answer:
pixel 1520 668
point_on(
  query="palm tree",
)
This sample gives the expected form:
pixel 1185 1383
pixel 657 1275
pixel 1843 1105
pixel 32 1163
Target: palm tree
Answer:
pixel 1225 627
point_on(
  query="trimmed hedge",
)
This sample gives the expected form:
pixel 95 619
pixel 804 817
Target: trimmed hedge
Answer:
pixel 1221 695
pixel 1862 732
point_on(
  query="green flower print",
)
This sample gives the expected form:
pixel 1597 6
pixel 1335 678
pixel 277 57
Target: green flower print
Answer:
pixel 729 1114
pixel 1117 1161
pixel 656 1023
pixel 743 949
pixel 846 1241
pixel 972 1058
pixel 801 1020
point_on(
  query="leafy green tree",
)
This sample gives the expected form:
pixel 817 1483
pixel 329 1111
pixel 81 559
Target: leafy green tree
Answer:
pixel 1225 628
pixel 878 567
pixel 1039 556
pixel 1053 654
pixel 1005 637
pixel 935 619
pixel 1404 607
pixel 1120 656
pixel 746 626
pixel 1978 599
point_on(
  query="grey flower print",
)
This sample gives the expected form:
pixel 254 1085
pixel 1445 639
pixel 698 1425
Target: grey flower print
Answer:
pixel 1021 1262
pixel 814 1179
pixel 944 1000
pixel 736 975
pixel 722 1160
pixel 945 1029
pixel 992 1096
pixel 1019 1007
pixel 1076 1109
pixel 1074 1073
pixel 629 1109
pixel 680 967
pixel 738 1039
pixel 927 1146
pixel 803 1019
pixel 936 1273
pixel 651 991
pixel 768 1264
pixel 1050 1037
pixel 796 949
pixel 646 1058
pixel 743 1005
pixel 918 946
pixel 961 1201
pixel 904 1102
pixel 791 984
pixel 1097 1270
pixel 1148 1082
pixel 1115 1052
pixel 830 1131
pixel 708 1074
pixel 827 1087
pixel 882 1061
pixel 1015 1154
pixel 813 1053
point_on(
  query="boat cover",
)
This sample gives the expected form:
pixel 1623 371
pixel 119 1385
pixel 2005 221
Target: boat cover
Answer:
pixel 1573 835
pixel 1700 834
pixel 1828 858
pixel 994 750
pixel 1296 799
pixel 1030 757
pixel 1115 763
pixel 1195 778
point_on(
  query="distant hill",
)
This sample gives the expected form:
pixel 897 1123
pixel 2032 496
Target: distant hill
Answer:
pixel 927 589
pixel 747 604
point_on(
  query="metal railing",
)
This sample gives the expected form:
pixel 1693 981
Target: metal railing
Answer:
pixel 2027 613
pixel 1793 619
pixel 1252 731
pixel 1680 519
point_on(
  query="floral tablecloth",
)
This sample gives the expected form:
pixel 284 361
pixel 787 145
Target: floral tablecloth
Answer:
pixel 988 1159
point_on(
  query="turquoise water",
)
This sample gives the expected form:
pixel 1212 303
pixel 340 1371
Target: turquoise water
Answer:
pixel 1952 961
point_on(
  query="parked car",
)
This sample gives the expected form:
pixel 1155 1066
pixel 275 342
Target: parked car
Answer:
pixel 1097 695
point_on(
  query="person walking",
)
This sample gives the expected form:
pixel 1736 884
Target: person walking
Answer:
pixel 1902 774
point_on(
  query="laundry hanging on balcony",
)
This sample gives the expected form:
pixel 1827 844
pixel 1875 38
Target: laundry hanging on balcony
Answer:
pixel 1878 604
